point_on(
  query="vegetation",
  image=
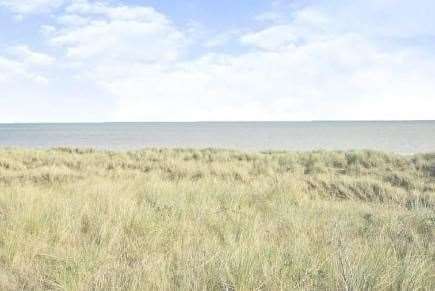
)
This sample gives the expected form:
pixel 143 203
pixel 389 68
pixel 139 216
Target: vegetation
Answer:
pixel 75 219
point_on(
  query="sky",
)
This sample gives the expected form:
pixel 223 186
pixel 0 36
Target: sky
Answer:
pixel 208 60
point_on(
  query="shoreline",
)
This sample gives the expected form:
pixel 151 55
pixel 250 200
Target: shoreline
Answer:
pixel 217 149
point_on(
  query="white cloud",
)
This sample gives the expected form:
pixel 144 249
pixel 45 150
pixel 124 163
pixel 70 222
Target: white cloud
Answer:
pixel 340 79
pixel 120 12
pixel 23 7
pixel 32 90
pixel 308 25
pixel 30 57
pixel 320 63
pixel 303 69
pixel 272 38
pixel 21 64
pixel 100 32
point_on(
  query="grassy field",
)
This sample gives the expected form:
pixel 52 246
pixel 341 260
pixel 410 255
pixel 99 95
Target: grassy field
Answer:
pixel 211 219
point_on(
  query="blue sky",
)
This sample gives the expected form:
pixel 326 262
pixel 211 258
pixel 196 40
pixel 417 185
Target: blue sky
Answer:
pixel 151 60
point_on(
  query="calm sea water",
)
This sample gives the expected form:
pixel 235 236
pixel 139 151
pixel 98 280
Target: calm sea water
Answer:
pixel 400 136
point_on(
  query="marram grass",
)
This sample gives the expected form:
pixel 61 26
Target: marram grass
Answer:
pixel 216 220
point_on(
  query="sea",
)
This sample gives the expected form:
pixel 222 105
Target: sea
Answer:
pixel 405 137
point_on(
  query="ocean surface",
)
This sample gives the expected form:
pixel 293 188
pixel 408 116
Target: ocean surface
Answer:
pixel 392 136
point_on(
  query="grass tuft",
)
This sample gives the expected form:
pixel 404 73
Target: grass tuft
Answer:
pixel 169 219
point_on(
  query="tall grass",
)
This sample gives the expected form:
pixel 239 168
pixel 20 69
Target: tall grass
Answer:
pixel 75 219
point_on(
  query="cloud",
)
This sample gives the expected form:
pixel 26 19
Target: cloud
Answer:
pixel 106 33
pixel 30 57
pixel 115 12
pixel 35 88
pixel 24 7
pixel 307 25
pixel 310 67
pixel 322 60
pixel 20 63
pixel 344 78
pixel 375 19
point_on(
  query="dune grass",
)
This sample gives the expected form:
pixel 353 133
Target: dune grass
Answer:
pixel 212 219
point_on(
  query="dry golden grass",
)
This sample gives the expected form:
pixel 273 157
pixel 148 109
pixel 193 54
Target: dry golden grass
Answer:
pixel 211 219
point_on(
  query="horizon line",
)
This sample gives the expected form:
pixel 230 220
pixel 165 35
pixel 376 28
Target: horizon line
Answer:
pixel 221 121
